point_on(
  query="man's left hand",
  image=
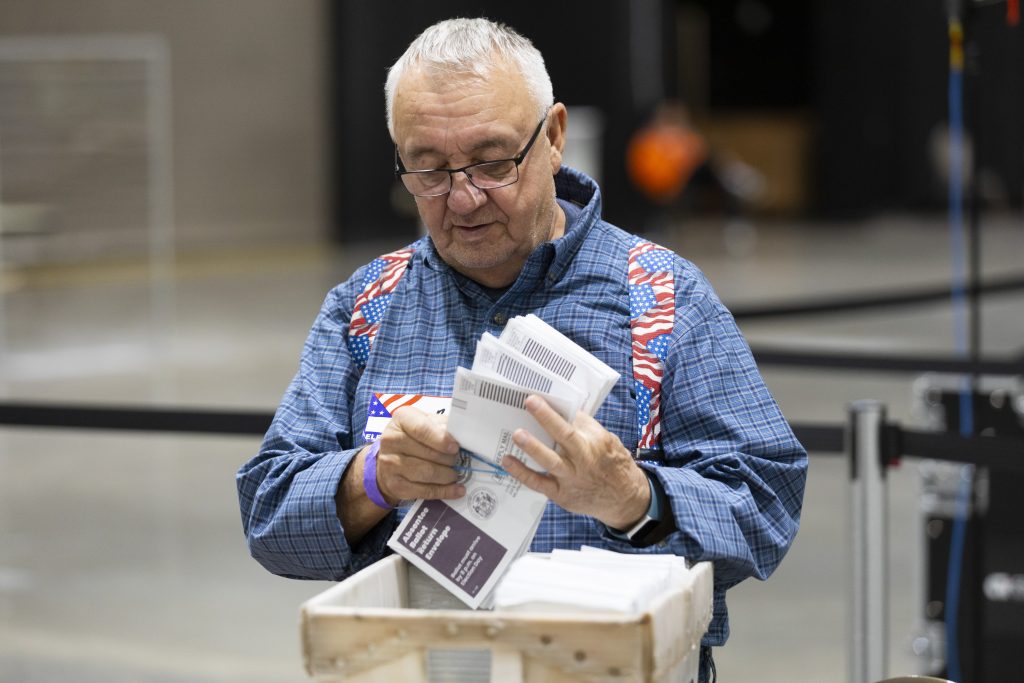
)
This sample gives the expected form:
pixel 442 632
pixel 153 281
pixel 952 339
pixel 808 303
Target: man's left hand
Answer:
pixel 592 473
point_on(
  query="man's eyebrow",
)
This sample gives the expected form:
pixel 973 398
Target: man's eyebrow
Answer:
pixel 491 143
pixel 487 144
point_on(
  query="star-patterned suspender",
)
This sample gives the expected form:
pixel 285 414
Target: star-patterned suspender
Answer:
pixel 652 309
pixel 379 282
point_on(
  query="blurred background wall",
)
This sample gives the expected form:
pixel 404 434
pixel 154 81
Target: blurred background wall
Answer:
pixel 277 114
pixel 248 115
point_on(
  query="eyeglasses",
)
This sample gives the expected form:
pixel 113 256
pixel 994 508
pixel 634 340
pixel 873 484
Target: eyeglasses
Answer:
pixel 485 175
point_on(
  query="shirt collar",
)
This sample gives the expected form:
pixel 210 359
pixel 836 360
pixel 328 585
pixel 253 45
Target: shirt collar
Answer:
pixel 584 197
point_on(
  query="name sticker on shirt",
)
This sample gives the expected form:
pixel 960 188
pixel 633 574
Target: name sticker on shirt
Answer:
pixel 383 406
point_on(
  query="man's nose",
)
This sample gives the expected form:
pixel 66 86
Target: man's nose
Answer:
pixel 465 197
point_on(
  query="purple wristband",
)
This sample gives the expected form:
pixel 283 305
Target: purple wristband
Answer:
pixel 370 477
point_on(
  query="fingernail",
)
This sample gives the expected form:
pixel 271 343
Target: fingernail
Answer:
pixel 520 437
pixel 451 447
pixel 531 401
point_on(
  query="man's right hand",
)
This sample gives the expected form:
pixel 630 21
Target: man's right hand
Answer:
pixel 415 460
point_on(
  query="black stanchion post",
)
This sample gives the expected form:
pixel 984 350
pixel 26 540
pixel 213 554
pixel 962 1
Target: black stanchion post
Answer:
pixel 865 447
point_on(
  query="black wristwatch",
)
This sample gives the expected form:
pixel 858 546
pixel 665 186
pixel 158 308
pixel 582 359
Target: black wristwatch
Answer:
pixel 656 524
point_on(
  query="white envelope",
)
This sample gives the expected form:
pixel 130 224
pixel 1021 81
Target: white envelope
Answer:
pixel 495 358
pixel 485 411
pixel 561 356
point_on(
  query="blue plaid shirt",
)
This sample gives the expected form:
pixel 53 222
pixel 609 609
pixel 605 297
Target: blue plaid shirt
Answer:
pixel 732 469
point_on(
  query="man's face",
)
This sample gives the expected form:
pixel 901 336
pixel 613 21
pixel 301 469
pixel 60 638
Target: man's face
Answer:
pixel 445 121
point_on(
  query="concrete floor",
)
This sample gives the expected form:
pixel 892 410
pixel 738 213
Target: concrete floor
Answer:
pixel 121 554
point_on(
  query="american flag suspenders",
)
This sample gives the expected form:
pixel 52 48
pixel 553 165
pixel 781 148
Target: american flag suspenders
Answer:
pixel 652 308
pixel 379 282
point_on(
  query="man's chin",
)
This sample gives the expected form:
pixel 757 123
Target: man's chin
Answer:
pixel 476 262
pixel 473 259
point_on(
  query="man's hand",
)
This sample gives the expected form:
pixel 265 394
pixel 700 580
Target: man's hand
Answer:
pixel 592 473
pixel 416 458
pixel 415 461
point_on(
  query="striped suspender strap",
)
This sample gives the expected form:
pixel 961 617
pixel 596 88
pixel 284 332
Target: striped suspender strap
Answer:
pixel 652 309
pixel 379 282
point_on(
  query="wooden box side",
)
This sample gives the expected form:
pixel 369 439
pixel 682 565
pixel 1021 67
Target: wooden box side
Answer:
pixel 365 622
pixel 680 618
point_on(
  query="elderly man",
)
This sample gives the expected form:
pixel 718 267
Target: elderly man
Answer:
pixel 689 454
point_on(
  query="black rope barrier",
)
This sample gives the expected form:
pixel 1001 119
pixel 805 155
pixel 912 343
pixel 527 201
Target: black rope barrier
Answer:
pixel 996 452
pixel 849 302
pixel 820 438
pixel 135 419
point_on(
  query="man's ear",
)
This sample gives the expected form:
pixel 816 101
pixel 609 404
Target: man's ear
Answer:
pixel 558 117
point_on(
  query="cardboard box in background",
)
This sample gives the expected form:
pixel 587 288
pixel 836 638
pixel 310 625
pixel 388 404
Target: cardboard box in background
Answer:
pixel 775 143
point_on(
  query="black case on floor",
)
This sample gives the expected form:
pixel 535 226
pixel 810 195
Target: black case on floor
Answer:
pixel 990 618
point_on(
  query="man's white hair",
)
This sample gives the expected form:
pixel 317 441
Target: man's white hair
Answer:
pixel 472 46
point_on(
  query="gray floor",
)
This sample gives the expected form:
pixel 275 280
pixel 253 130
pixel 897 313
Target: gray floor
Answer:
pixel 121 555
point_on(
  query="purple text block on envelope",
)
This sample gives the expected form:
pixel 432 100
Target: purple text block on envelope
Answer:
pixel 452 545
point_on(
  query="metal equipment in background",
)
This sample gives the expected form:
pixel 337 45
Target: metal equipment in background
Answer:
pixel 989 621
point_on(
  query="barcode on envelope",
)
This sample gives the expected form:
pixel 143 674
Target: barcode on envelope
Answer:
pixel 548 359
pixel 514 371
pixel 504 395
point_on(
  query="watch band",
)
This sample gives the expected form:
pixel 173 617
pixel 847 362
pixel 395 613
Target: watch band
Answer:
pixel 656 524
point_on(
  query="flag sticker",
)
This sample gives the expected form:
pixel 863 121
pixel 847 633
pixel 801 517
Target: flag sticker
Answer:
pixel 383 406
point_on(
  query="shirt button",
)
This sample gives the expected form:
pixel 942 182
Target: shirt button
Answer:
pixel 551 278
pixel 499 318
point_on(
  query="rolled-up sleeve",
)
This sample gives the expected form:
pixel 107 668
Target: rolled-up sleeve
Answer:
pixel 734 472
pixel 287 492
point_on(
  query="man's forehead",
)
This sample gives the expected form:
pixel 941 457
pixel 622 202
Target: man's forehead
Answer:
pixel 424 92
pixel 471 120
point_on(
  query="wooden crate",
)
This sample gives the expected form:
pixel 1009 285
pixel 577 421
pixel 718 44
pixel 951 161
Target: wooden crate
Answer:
pixel 390 623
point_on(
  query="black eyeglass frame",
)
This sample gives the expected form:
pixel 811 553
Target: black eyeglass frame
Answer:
pixel 400 169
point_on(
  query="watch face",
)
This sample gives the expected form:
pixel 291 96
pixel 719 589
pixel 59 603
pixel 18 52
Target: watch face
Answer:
pixel 642 528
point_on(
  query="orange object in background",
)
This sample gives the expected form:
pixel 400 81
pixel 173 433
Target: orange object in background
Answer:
pixel 662 157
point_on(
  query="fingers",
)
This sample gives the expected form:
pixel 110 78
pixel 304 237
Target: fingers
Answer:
pixel 415 469
pixel 546 458
pixel 554 424
pixel 404 489
pixel 530 479
pixel 590 473
pixel 449 492
pixel 403 477
pixel 426 429
pixel 416 458
pixel 415 433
